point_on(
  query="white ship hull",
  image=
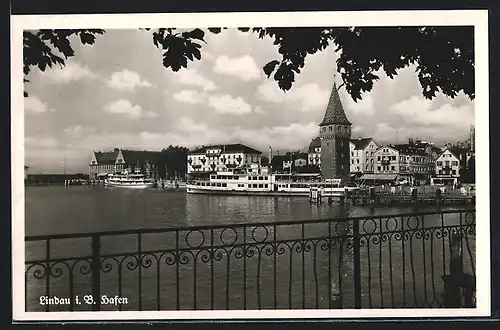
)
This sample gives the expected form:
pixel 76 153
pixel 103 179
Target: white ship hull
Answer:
pixel 131 185
pixel 297 192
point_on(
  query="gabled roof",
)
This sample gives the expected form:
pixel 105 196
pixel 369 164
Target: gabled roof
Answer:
pixel 133 157
pixel 334 113
pixel 409 149
pixel 451 151
pixel 106 158
pixel 361 143
pixel 457 151
pixel 315 143
pixel 228 148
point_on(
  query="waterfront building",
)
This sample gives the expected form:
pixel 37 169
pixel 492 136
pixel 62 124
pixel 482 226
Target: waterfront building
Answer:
pixel 362 151
pixel 406 163
pixel 213 158
pixel 335 133
pixel 314 152
pixel 103 163
pixel 447 168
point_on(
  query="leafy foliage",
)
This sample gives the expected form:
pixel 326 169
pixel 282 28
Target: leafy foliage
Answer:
pixel 40 47
pixel 175 160
pixel 444 56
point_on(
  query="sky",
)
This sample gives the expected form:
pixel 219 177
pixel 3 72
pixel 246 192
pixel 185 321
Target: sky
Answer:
pixel 117 94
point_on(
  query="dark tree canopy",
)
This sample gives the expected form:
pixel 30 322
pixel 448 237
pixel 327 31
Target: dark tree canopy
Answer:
pixel 444 56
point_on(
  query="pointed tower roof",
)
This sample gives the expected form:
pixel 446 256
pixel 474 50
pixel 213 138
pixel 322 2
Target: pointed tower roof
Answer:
pixel 334 111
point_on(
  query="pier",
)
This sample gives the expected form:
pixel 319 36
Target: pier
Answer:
pixel 393 196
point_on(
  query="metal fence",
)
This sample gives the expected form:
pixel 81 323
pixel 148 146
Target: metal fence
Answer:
pixel 422 260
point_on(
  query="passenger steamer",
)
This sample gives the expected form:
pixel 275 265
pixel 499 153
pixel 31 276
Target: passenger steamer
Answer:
pixel 126 179
pixel 259 181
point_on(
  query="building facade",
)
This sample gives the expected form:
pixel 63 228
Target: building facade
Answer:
pixel 314 152
pixel 208 159
pixel 447 168
pixel 362 152
pixel 410 164
pixel 335 134
pixel 148 162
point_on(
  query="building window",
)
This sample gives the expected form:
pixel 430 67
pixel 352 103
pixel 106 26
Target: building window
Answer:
pixel 323 129
pixel 378 158
pixel 393 168
pixel 329 128
pixel 378 168
pixel 393 157
pixel 454 163
pixel 439 163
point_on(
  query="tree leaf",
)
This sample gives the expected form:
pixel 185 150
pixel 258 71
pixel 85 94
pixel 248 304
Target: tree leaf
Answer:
pixel 269 67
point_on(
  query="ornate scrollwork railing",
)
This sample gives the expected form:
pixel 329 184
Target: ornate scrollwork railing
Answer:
pixel 404 260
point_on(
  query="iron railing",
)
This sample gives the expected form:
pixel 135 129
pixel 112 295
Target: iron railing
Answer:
pixel 413 260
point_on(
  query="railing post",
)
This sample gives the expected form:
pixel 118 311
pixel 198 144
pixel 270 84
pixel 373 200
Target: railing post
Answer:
pixel 414 194
pixel 438 197
pixel 453 282
pixel 357 264
pixel 96 272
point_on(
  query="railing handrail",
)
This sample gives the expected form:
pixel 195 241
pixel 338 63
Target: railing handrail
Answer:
pixel 238 225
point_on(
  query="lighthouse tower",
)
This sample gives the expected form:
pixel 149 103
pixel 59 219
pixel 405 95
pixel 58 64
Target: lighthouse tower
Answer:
pixel 335 135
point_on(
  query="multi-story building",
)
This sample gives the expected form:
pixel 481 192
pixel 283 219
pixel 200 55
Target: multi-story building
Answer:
pixel 149 162
pixel 335 133
pixel 405 162
pixel 454 165
pixel 314 152
pixel 362 152
pixel 214 158
pixel 447 167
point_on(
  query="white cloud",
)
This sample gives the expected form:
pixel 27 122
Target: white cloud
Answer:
pixel 259 110
pixel 186 124
pixel 294 136
pixel 418 110
pixel 189 96
pixel 72 71
pixel 361 107
pixel 127 80
pixel 243 67
pixel 226 104
pixel 35 105
pixel 78 130
pixel 303 98
pixel 124 107
pixel 193 77
pixel 384 132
